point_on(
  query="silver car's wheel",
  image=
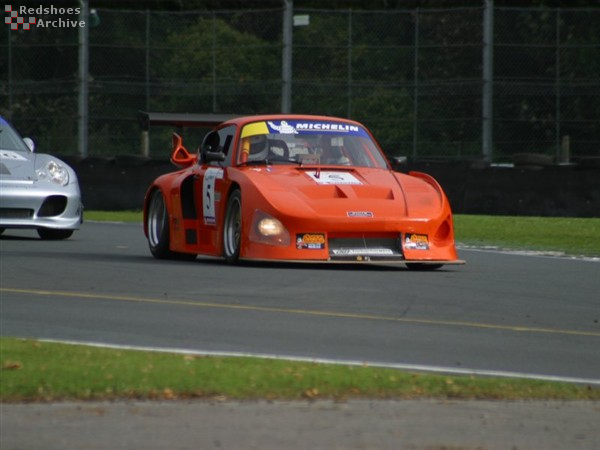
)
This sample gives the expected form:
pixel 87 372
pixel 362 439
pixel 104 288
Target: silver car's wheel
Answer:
pixel 157 224
pixel 232 229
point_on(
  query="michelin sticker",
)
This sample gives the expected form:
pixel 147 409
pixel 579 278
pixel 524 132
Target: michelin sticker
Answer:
pixel 283 128
pixel 325 177
pixel 208 193
pixel 314 127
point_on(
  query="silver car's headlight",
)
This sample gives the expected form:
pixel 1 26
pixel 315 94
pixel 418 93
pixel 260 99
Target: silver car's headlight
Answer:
pixel 55 172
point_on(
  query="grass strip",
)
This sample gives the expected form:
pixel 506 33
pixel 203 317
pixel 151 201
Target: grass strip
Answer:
pixel 42 371
pixel 113 216
pixel 571 236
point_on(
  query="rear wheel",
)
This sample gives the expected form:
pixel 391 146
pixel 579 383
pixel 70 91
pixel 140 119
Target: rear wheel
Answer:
pixel 232 228
pixel 157 224
pixel 50 234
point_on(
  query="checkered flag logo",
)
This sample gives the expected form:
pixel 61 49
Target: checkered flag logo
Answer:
pixel 13 19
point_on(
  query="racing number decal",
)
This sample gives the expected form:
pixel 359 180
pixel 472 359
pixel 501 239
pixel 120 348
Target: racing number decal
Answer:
pixel 208 194
pixel 325 177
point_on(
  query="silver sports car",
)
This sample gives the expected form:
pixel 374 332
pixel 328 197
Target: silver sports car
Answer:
pixel 37 191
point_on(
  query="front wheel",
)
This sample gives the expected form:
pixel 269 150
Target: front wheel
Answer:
pixel 157 224
pixel 232 228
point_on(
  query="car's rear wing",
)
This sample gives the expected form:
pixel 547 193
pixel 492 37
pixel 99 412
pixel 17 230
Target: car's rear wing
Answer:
pixel 176 120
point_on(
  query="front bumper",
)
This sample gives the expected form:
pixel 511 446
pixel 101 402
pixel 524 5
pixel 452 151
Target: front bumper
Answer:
pixel 40 205
pixel 422 241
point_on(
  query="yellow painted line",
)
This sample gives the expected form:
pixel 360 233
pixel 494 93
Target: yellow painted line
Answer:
pixel 305 312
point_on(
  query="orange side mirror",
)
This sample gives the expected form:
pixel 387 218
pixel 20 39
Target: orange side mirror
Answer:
pixel 180 156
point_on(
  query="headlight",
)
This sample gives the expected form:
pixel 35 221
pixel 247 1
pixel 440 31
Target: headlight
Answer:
pixel 270 226
pixel 55 172
pixel 267 229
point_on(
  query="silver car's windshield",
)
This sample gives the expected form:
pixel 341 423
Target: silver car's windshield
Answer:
pixel 309 142
pixel 10 139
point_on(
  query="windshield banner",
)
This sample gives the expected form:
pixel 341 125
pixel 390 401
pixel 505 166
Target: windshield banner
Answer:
pixel 313 127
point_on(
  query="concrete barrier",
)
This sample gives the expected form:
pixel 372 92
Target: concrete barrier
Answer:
pixel 120 183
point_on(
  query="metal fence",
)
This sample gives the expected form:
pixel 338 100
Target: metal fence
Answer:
pixel 415 77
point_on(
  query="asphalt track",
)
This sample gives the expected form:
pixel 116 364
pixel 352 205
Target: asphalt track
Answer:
pixel 499 313
pixel 505 314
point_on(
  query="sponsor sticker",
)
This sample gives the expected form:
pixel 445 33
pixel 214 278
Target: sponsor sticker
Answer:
pixel 363 252
pixel 414 241
pixel 325 177
pixel 314 127
pixel 283 127
pixel 367 214
pixel 310 241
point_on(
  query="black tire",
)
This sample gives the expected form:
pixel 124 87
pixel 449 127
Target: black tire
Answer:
pixel 232 228
pixel 2 230
pixel 49 234
pixel 157 224
pixel 423 267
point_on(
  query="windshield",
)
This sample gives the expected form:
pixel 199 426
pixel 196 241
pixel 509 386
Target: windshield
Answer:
pixel 308 142
pixel 9 139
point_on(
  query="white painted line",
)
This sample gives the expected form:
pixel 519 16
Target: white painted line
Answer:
pixel 532 253
pixel 399 366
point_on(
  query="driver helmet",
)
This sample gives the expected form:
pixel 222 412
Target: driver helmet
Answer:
pixel 259 147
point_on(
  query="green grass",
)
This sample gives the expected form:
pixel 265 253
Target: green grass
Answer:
pixel 113 216
pixel 572 236
pixel 44 371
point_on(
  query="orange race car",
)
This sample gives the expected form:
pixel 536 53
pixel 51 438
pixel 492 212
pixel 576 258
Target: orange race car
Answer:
pixel 296 188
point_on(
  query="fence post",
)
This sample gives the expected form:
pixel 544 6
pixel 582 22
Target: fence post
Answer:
pixel 488 78
pixel 349 66
pixel 286 66
pixel 557 100
pixel 10 86
pixel 83 80
pixel 416 85
pixel 148 60
pixel 214 60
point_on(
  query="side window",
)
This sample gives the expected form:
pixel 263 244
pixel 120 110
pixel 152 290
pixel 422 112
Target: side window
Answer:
pixel 225 140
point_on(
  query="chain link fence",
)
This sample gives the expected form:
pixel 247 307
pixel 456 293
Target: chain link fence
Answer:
pixel 413 76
